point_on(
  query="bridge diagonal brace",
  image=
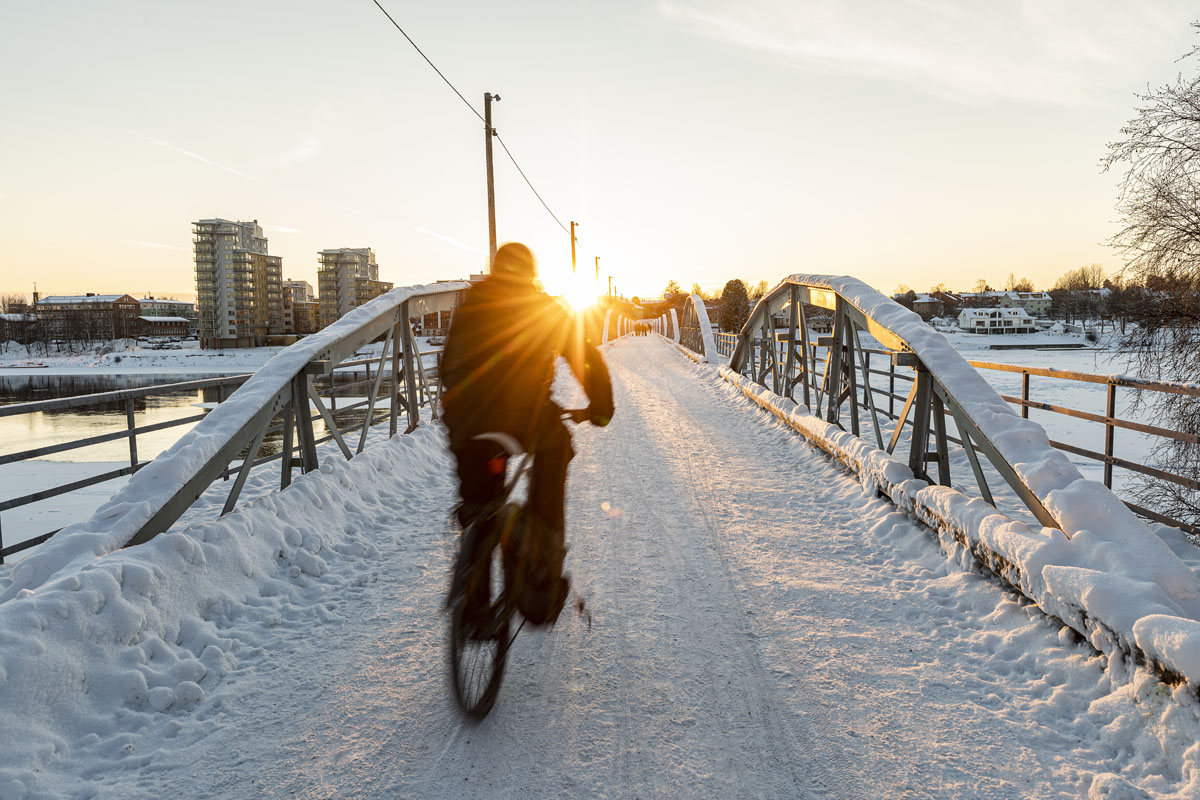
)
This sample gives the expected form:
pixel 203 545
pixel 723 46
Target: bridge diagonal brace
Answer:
pixel 867 386
pixel 1010 476
pixel 973 457
pixel 329 421
pixel 805 371
pixel 426 392
pixel 244 470
pixel 912 394
pixel 285 457
pixel 362 439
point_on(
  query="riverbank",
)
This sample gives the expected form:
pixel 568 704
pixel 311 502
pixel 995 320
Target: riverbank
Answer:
pixel 130 358
pixel 125 357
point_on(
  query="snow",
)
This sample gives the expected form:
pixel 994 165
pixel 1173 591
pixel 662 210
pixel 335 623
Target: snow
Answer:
pixel 118 520
pixel 1025 446
pixel 164 319
pixel 1101 581
pixel 755 624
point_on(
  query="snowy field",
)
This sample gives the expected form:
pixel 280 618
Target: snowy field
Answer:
pixel 754 625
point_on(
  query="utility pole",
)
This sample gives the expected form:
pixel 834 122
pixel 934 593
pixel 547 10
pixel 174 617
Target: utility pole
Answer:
pixel 597 270
pixel 488 133
pixel 610 285
pixel 574 224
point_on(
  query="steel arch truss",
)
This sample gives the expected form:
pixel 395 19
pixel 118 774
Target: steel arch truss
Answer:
pixel 831 373
pixel 695 332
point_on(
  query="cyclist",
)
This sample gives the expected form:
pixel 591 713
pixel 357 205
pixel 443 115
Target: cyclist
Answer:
pixel 497 368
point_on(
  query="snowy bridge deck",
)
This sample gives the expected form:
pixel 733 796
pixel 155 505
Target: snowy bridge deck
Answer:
pixel 754 625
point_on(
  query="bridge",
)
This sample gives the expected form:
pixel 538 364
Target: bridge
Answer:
pixel 781 589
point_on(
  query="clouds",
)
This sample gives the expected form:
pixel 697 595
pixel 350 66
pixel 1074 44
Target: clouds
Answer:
pixel 1057 52
pixel 196 156
pixel 450 240
pixel 305 148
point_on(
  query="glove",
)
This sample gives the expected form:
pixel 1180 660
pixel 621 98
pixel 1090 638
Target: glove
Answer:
pixel 599 416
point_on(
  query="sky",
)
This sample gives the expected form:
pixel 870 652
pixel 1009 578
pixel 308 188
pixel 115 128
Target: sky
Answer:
pixel 907 142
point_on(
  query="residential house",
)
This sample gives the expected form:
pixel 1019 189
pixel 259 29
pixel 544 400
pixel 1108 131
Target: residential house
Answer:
pixel 996 320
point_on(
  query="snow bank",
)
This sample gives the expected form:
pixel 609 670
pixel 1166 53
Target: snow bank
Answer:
pixel 118 520
pixel 1118 585
pixel 106 651
pixel 1076 503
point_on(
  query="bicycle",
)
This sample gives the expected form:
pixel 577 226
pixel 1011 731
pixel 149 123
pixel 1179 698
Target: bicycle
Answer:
pixel 478 653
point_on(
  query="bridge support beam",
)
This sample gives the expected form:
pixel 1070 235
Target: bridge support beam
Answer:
pixel 409 340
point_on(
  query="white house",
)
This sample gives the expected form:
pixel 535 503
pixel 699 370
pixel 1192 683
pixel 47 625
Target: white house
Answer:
pixel 996 320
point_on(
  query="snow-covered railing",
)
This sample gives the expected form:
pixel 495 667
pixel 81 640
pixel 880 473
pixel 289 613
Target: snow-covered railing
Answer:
pixel 1093 564
pixel 159 492
pixel 695 332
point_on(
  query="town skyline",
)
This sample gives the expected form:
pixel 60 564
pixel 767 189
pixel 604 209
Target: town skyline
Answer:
pixel 696 140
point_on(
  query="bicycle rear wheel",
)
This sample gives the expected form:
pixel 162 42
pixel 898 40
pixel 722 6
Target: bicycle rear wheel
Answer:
pixel 477 657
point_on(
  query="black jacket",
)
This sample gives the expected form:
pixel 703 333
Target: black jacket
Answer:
pixel 500 357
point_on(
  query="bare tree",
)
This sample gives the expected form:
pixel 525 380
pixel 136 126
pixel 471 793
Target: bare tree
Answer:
pixel 1015 285
pixel 1076 294
pixel 1159 207
pixel 13 304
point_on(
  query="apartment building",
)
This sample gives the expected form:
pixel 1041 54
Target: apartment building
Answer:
pixel 239 295
pixel 347 278
pixel 300 308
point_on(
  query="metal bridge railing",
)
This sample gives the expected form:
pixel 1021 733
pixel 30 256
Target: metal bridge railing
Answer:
pixel 1105 454
pixel 125 397
pixel 842 382
pixel 280 398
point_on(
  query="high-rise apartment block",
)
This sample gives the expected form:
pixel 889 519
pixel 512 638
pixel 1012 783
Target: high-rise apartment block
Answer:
pixel 347 278
pixel 239 300
pixel 300 308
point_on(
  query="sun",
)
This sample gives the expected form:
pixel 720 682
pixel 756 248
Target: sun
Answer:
pixel 578 290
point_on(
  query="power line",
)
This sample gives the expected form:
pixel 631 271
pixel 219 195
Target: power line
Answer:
pixel 535 191
pixel 476 113
pixel 427 61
